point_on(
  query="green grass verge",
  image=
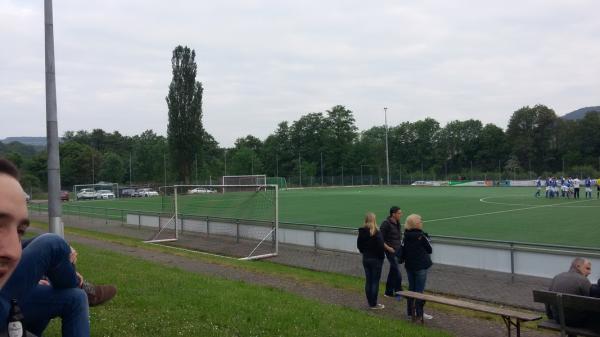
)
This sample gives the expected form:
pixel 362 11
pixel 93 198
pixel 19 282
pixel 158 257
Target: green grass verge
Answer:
pixel 154 300
pixel 327 279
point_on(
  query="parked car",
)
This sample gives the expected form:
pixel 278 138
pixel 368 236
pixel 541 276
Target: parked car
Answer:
pixel 87 194
pixel 127 192
pixel 64 195
pixel 201 190
pixel 147 192
pixel 105 194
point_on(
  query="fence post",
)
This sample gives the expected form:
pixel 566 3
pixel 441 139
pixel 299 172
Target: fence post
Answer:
pixel 106 216
pixel 315 229
pixel 237 230
pixel 207 226
pixel 512 262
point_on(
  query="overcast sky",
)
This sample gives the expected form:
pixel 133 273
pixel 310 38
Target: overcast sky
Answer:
pixel 263 62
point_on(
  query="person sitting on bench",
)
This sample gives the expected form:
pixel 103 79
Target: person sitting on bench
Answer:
pixel 574 282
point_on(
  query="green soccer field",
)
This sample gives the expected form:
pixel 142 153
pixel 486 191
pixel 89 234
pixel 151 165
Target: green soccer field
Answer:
pixel 511 214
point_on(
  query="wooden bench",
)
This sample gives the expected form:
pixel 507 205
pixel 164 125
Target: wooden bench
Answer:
pixel 510 317
pixel 561 302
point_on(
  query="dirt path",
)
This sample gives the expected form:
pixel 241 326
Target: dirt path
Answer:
pixel 457 324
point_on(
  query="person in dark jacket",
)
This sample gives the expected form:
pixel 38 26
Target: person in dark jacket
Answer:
pixel 575 282
pixel 371 246
pixel 392 237
pixel 417 260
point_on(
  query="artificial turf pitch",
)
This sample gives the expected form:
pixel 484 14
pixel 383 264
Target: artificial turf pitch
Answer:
pixel 496 213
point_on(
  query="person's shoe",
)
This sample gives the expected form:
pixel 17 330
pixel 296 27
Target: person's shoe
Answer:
pixel 391 295
pixel 98 294
pixel 427 316
pixel 378 306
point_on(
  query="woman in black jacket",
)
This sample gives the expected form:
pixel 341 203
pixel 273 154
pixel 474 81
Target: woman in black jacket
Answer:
pixel 370 245
pixel 417 259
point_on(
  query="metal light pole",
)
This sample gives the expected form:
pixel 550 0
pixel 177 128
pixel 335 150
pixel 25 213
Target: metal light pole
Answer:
pixel 225 173
pixel 196 165
pixel 130 171
pixel 165 167
pixel 387 157
pixel 321 168
pixel 299 170
pixel 55 224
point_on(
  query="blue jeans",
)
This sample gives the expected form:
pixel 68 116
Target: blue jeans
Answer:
pixel 416 283
pixel 47 255
pixel 373 275
pixel 394 278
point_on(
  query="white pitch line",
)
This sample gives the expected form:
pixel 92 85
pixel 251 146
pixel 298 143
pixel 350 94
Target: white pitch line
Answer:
pixel 557 205
pixel 496 212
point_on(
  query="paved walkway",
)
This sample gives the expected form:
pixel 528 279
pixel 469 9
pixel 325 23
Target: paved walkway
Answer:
pixel 462 282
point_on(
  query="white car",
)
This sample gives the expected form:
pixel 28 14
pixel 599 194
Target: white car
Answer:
pixel 105 194
pixel 201 190
pixel 147 192
pixel 87 193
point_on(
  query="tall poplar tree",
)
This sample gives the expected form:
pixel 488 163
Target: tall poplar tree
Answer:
pixel 185 113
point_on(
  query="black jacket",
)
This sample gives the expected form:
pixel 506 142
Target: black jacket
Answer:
pixel 370 246
pixel 417 250
pixel 391 233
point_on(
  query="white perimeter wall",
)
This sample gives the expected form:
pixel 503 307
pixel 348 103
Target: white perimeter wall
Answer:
pixel 525 260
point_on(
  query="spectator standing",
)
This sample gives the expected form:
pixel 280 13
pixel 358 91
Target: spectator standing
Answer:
pixel 371 246
pixel 392 238
pixel 417 260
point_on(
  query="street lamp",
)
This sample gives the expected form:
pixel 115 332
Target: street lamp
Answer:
pixel 387 158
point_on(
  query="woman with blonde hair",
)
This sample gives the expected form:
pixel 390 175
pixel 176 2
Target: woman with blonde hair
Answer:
pixel 417 260
pixel 370 245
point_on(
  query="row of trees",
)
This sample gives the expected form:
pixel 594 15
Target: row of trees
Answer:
pixel 330 144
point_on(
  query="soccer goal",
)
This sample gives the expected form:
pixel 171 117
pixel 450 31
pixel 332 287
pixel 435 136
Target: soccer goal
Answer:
pixel 242 222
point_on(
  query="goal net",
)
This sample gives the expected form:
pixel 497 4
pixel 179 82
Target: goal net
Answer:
pixel 243 222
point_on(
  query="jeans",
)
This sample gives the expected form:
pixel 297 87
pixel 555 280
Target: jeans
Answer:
pixel 394 278
pixel 47 255
pixel 416 283
pixel 372 275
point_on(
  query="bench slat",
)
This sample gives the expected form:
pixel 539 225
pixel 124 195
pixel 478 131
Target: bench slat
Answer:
pixel 581 303
pixel 473 306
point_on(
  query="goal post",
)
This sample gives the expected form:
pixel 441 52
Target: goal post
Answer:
pixel 244 222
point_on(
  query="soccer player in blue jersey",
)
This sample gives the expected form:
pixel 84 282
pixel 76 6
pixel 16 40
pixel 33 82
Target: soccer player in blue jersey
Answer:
pixel 588 188
pixel 538 186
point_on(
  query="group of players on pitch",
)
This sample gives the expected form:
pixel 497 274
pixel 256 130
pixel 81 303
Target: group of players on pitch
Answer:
pixel 566 187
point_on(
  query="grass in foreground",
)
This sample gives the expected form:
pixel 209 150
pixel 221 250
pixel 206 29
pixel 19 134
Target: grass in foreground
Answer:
pixel 160 301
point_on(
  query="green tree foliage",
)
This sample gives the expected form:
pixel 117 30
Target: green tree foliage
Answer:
pixel 76 163
pixel 185 131
pixel 112 168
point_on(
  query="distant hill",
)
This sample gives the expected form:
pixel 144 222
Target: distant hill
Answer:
pixel 35 141
pixel 580 113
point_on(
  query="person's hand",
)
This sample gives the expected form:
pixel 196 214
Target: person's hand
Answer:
pixel 80 279
pixel 390 249
pixel 73 256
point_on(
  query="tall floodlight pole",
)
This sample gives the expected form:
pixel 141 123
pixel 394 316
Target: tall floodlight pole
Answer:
pixel 54 207
pixel 299 169
pixel 165 167
pixel 387 157
pixel 225 173
pixel 130 171
pixel 321 168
